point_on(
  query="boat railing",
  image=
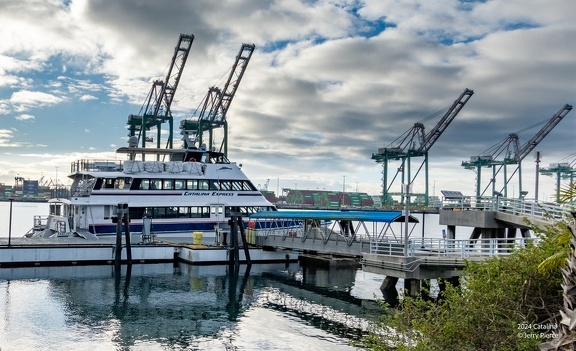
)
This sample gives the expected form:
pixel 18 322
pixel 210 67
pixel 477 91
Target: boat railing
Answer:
pixel 40 222
pixel 86 165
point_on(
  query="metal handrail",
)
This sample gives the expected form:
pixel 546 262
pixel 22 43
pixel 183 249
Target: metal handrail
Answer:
pixel 530 208
pixel 450 247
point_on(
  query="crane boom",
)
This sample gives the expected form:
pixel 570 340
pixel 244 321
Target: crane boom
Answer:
pixel 216 103
pixel 181 52
pixel 527 148
pixel 161 95
pixel 219 112
pixel 441 126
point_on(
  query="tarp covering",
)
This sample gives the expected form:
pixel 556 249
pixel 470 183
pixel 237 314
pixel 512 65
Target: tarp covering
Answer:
pixel 365 216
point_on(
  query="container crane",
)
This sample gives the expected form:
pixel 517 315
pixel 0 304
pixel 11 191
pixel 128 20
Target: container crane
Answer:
pixel 415 143
pixel 159 100
pixel 513 154
pixel 215 107
pixel 563 170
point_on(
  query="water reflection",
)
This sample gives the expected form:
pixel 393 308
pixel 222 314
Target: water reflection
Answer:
pixel 181 306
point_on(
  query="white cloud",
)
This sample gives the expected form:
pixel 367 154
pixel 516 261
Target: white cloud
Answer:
pixel 24 100
pixel 316 85
pixel 87 97
pixel 25 117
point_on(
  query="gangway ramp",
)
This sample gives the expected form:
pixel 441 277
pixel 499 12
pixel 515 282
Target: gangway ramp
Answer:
pixel 343 233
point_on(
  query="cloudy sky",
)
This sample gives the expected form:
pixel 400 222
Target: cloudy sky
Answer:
pixel 329 83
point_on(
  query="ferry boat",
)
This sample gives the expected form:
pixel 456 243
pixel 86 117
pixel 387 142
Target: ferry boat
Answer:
pixel 195 190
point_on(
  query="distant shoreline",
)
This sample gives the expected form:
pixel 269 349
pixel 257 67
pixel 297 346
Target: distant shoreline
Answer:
pixel 20 199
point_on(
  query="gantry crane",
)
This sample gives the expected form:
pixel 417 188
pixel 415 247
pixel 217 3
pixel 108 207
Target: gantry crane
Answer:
pixel 415 143
pixel 565 169
pixel 214 108
pixel 513 154
pixel 157 105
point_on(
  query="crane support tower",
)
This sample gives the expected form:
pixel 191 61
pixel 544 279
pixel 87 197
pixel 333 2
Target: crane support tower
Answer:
pixel 512 154
pixel 562 171
pixel 415 143
pixel 156 109
pixel 214 108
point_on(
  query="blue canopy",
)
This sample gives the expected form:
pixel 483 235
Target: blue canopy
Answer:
pixel 365 216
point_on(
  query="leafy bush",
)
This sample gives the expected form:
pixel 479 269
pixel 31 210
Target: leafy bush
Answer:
pixel 502 304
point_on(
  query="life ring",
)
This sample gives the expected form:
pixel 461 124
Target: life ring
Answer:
pixel 191 159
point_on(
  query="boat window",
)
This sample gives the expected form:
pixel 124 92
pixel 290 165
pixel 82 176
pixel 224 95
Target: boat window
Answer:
pixel 145 184
pixel 192 184
pixel 109 183
pixel 214 184
pixel 203 185
pixel 225 185
pixel 55 210
pixel 159 212
pixel 172 212
pixel 119 183
pixel 136 212
pixel 197 212
pixel 136 183
pixel 237 185
pixel 98 184
pixel 168 184
pixel 179 184
pixel 183 212
pixel 156 184
pixel 205 158
pixel 249 186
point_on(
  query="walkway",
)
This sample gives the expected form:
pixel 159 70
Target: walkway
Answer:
pixel 371 235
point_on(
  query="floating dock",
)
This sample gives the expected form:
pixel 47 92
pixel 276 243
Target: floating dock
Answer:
pixel 23 252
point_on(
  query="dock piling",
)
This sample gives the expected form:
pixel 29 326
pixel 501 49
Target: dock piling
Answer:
pixel 120 219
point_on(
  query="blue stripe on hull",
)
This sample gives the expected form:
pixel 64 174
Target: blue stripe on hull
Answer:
pixel 156 227
pixel 186 227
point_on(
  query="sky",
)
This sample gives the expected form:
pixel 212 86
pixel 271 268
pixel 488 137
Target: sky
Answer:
pixel 329 83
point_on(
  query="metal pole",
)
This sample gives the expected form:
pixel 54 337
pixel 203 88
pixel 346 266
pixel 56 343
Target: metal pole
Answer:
pixel 537 175
pixel 423 225
pixel 10 224
pixel 406 215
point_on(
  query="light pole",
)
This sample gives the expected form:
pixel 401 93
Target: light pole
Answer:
pixel 10 224
pixel 537 174
pixel 406 216
pixel 343 191
pixel 56 181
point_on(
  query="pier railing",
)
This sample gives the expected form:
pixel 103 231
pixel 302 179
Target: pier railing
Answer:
pixel 529 208
pixel 468 248
pixel 394 246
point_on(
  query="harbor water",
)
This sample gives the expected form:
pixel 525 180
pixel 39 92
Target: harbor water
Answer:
pixel 179 306
pixel 183 307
